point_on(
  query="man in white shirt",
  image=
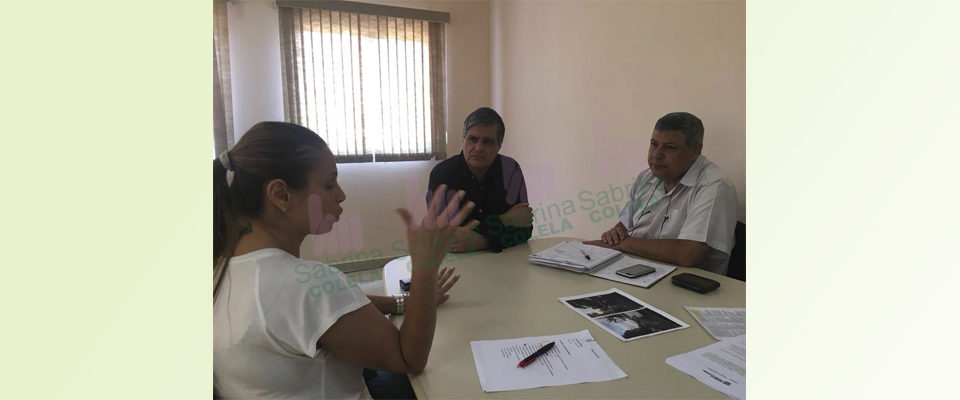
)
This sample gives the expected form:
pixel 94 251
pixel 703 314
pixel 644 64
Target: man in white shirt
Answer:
pixel 682 209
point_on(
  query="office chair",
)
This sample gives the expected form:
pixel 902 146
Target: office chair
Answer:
pixel 737 269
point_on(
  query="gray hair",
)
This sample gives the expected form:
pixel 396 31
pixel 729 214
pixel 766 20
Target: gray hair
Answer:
pixel 485 116
pixel 684 122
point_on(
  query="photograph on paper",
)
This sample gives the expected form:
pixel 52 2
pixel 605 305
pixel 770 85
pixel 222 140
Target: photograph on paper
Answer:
pixel 622 315
pixel 598 306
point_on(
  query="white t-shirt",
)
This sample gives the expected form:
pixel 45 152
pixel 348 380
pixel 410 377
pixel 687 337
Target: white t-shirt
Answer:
pixel 270 311
pixel 701 207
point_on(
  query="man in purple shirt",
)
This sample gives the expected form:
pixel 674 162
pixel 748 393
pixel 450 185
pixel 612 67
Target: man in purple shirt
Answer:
pixel 492 181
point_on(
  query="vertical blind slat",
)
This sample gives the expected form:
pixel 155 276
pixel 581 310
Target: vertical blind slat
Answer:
pixel 394 93
pixel 383 126
pixel 361 135
pixel 303 68
pixel 311 79
pixel 406 88
pixel 421 131
pixel 342 99
pixel 390 46
pixel 323 72
pixel 358 86
pixel 420 114
pixel 345 51
pixel 412 53
pixel 392 65
pixel 354 87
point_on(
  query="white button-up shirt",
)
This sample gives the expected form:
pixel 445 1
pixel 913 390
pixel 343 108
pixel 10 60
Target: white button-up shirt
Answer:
pixel 702 207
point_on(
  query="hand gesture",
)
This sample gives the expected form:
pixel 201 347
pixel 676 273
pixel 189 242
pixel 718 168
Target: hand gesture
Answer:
pixel 444 283
pixel 520 215
pixel 429 239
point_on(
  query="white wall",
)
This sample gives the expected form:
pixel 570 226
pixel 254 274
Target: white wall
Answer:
pixel 254 32
pixel 369 226
pixel 581 84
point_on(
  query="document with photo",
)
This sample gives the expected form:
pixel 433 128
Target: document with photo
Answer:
pixel 622 315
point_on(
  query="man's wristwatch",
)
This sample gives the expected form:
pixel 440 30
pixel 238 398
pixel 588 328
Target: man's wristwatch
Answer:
pixel 401 304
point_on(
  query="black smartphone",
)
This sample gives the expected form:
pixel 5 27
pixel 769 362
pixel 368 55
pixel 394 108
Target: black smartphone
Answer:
pixel 695 283
pixel 635 271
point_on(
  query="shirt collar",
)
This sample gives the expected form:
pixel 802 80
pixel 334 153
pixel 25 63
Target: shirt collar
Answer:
pixel 651 180
pixel 690 177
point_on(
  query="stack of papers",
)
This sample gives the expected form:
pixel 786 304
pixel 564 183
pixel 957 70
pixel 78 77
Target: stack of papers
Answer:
pixel 575 256
pixel 604 263
pixel 576 358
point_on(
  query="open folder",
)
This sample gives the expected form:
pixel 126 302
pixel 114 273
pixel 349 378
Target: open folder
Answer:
pixel 603 262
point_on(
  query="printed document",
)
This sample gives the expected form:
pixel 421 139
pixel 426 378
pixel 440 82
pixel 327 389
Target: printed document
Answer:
pixel 576 358
pixel 721 323
pixel 722 366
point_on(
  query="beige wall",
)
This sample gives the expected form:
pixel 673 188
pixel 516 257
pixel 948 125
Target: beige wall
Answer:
pixel 580 85
pixel 369 225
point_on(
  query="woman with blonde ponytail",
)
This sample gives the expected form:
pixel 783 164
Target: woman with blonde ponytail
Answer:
pixel 274 337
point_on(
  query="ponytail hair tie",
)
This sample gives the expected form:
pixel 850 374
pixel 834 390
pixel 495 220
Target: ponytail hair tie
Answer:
pixel 225 161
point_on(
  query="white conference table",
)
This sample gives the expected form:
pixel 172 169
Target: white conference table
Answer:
pixel 502 296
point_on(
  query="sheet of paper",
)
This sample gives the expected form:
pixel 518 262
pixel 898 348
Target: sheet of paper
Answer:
pixel 722 366
pixel 721 323
pixel 576 358
pixel 610 271
pixel 622 315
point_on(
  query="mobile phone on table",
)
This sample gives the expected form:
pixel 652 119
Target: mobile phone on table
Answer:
pixel 635 271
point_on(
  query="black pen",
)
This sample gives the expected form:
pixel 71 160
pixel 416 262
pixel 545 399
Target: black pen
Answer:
pixel 585 254
pixel 529 360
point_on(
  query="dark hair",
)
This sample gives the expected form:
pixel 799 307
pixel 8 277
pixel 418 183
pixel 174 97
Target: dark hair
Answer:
pixel 684 122
pixel 267 151
pixel 485 116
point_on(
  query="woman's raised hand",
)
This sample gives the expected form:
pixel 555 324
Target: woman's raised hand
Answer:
pixel 428 240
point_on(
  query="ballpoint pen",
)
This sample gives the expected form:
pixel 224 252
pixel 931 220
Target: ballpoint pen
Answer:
pixel 531 358
pixel 585 254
